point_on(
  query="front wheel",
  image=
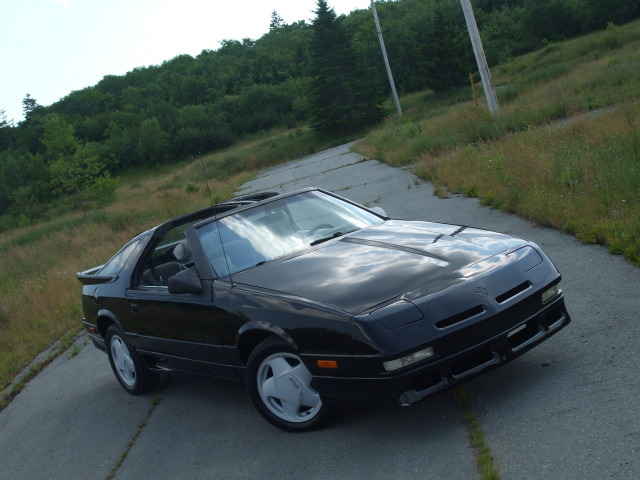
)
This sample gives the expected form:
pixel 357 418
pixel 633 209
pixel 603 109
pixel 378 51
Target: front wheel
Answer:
pixel 281 388
pixel 127 364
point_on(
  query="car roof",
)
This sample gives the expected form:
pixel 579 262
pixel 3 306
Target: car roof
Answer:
pixel 236 203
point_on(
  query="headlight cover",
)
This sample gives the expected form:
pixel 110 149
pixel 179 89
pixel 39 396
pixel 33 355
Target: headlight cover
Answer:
pixel 396 315
pixel 550 293
pixel 407 360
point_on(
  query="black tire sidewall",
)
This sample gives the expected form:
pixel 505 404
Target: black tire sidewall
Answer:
pixel 269 347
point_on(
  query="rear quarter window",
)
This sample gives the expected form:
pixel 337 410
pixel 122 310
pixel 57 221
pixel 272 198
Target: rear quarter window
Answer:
pixel 113 266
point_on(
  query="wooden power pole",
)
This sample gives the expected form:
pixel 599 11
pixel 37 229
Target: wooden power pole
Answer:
pixel 485 75
pixel 386 60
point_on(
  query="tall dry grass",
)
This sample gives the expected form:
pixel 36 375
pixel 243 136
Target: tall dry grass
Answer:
pixel 563 151
pixel 39 292
pixel 582 177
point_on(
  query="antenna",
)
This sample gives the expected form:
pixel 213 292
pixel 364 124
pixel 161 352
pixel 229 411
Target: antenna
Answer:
pixel 206 180
pixel 224 251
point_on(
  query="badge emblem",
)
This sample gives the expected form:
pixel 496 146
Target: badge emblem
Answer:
pixel 482 292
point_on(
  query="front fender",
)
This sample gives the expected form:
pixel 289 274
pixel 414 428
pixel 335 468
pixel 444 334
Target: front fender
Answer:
pixel 250 335
pixel 266 328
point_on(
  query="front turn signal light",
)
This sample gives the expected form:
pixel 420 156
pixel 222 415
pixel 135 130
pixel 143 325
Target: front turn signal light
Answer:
pixel 327 364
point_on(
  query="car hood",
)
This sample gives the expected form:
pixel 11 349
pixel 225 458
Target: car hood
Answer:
pixel 371 266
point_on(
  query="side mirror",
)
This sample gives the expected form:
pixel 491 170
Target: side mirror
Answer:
pixel 186 281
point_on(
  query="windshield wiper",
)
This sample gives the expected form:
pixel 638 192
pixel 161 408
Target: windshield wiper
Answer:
pixel 324 239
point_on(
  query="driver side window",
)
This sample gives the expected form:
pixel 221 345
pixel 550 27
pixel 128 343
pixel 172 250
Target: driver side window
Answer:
pixel 169 256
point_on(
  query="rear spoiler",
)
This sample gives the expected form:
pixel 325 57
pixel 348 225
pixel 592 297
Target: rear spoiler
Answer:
pixel 89 277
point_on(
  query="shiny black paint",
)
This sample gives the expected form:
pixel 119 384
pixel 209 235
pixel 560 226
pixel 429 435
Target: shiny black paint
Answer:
pixel 360 299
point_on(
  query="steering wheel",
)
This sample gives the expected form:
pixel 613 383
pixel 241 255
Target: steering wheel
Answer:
pixel 318 227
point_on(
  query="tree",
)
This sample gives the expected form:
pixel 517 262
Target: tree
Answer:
pixel 4 123
pixel 6 130
pixel 59 139
pixel 121 141
pixel 596 14
pixel 74 168
pixel 152 144
pixel 446 55
pixel 551 20
pixel 23 179
pixel 342 97
pixel 29 106
pixel 276 21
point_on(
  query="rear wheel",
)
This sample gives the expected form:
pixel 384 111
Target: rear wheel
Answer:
pixel 281 387
pixel 127 364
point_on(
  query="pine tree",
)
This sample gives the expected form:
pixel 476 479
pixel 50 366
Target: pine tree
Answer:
pixel 343 98
pixel 29 105
pixel 446 54
pixel 276 21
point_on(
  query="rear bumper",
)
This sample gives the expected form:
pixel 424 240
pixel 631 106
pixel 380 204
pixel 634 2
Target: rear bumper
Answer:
pixel 94 335
pixel 417 382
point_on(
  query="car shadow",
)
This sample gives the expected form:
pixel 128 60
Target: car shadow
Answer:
pixel 437 411
pixel 205 426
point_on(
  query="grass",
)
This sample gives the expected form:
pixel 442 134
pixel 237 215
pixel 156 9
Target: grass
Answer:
pixel 484 459
pixel 580 176
pixel 564 151
pixel 583 178
pixel 67 342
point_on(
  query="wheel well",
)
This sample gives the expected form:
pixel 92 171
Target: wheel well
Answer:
pixel 103 325
pixel 250 340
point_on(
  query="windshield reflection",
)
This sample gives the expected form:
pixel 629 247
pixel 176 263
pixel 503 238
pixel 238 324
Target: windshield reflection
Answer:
pixel 280 228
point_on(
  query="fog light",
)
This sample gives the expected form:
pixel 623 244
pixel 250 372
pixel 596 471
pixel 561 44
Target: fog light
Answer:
pixel 550 292
pixel 408 360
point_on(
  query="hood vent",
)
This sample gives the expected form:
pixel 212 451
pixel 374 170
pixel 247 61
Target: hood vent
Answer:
pixel 460 317
pixel 513 292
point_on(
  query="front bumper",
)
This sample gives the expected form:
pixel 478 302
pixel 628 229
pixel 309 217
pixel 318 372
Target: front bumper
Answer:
pixel 462 355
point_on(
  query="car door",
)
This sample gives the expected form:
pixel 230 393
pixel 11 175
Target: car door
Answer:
pixel 179 331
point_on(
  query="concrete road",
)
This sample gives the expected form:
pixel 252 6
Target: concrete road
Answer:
pixel 568 409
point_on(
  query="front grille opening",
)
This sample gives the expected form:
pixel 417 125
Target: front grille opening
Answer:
pixel 471 362
pixel 513 292
pixel 522 334
pixel 427 380
pixel 460 317
pixel 551 317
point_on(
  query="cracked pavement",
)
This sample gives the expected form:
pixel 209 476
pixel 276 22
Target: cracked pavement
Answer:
pixel 568 409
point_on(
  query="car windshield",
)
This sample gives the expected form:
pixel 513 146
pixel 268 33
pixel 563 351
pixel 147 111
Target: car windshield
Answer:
pixel 279 228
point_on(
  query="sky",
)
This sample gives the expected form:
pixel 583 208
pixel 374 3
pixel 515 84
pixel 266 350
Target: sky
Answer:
pixel 51 48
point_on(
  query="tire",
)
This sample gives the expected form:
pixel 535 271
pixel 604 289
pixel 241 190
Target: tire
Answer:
pixel 281 388
pixel 127 365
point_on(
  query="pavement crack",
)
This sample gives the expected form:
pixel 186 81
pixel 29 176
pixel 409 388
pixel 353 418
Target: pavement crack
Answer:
pixel 134 438
pixel 481 451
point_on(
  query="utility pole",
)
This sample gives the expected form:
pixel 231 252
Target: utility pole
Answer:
pixel 485 75
pixel 386 60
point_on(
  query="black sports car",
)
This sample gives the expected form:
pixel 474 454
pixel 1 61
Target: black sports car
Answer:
pixel 311 300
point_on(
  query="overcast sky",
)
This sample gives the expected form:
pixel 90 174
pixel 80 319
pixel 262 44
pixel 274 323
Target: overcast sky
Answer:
pixel 53 47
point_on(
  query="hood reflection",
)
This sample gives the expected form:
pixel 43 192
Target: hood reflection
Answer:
pixel 376 264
